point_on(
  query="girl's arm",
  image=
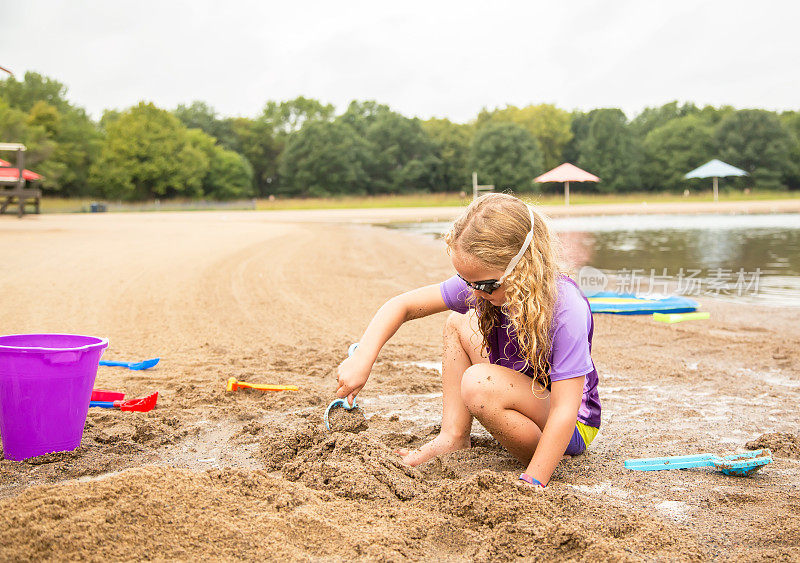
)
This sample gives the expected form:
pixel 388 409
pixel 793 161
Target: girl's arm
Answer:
pixel 565 400
pixel 354 371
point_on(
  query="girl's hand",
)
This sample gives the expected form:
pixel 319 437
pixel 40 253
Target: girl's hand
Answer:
pixel 352 376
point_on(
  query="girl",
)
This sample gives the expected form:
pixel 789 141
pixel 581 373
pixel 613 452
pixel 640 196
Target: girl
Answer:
pixel 517 348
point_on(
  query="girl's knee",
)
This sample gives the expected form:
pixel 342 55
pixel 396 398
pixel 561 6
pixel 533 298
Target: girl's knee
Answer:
pixel 454 323
pixel 476 386
pixel 461 331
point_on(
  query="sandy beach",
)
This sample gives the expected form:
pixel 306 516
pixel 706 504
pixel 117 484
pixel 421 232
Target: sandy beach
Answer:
pixel 277 297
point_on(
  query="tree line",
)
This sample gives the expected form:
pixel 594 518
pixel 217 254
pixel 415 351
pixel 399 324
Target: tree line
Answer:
pixel 303 148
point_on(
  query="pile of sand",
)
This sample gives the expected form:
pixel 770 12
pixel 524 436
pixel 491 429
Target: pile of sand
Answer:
pixel 169 513
pixel 782 444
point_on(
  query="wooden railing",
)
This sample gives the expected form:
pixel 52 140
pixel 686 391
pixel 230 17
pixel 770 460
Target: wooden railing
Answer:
pixel 18 194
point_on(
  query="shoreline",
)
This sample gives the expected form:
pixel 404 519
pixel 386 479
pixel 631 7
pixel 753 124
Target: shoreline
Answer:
pixel 411 214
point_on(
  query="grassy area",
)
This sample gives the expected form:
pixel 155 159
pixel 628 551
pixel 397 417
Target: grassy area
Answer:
pixel 364 202
pixel 449 200
pixel 62 205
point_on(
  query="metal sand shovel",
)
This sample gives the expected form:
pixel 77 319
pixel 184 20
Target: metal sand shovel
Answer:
pixel 741 464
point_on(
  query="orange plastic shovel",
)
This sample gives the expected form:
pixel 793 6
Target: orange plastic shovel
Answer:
pixel 234 384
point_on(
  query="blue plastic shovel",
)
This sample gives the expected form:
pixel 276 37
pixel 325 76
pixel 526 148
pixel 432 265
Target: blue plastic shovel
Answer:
pixel 338 403
pixel 741 464
pixel 132 365
pixel 341 402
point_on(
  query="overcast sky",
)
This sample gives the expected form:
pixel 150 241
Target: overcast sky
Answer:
pixel 423 58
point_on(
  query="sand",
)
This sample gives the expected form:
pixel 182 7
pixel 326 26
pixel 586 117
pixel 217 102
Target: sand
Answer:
pixel 278 298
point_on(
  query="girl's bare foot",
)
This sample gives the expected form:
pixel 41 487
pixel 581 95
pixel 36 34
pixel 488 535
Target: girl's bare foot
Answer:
pixel 440 445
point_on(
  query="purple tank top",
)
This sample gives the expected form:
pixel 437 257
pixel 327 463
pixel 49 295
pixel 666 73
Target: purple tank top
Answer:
pixel 570 354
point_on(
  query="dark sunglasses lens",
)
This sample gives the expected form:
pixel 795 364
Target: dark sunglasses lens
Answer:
pixel 487 287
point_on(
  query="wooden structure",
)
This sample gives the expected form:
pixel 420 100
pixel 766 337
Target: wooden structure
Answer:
pixel 17 193
pixel 476 189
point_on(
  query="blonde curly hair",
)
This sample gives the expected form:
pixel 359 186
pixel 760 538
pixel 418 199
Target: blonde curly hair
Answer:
pixel 492 229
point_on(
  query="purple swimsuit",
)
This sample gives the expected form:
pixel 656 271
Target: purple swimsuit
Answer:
pixel 570 354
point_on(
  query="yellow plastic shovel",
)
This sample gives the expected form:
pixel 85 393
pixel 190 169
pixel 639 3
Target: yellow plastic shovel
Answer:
pixel 234 384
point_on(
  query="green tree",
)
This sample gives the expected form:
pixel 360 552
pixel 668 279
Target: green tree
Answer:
pixel 72 139
pixel 262 150
pixel 109 116
pixel 401 156
pixel 579 127
pixel 229 175
pixel 16 127
pixel 548 124
pixel 791 121
pixel 675 148
pixel 506 155
pixel 451 145
pixel 42 113
pixel 606 148
pixel 324 158
pixel 653 118
pixel 713 116
pixel 34 88
pixel 290 116
pixel 360 115
pixel 200 115
pixel 148 153
pixel 53 168
pixel 78 144
pixel 263 142
pixel 756 141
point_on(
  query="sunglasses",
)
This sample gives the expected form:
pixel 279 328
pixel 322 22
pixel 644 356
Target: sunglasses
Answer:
pixel 486 286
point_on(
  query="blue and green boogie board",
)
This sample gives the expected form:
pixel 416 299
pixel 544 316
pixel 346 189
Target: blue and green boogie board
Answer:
pixel 629 304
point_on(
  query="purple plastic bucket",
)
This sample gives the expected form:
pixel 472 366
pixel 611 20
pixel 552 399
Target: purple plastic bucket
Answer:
pixel 46 384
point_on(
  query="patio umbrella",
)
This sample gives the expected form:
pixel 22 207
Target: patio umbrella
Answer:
pixel 715 169
pixel 566 173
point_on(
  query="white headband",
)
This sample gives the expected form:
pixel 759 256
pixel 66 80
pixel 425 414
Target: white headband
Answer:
pixel 515 260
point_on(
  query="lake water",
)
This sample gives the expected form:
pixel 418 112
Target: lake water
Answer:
pixel 744 258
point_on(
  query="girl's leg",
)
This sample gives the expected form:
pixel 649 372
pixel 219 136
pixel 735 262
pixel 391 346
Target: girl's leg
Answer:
pixel 502 400
pixel 462 349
